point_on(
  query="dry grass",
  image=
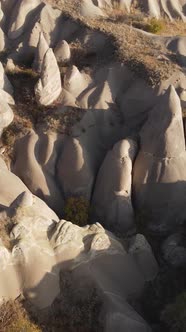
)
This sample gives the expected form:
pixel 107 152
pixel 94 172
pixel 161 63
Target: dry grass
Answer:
pixel 137 50
pixel 13 318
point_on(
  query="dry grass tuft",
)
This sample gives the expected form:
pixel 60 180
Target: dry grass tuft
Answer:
pixel 13 318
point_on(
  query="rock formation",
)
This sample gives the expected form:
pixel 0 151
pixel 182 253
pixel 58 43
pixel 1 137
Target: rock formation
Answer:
pixel 19 17
pixel 6 113
pixel 111 201
pixel 62 52
pixel 98 114
pixel 159 173
pixel 42 48
pixel 49 86
pixel 6 89
pixel 39 153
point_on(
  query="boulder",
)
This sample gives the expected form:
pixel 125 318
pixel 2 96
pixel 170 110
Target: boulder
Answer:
pixel 48 88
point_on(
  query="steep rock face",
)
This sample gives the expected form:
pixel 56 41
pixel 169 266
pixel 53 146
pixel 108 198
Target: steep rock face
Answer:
pixel 111 202
pixel 159 170
pixel 48 88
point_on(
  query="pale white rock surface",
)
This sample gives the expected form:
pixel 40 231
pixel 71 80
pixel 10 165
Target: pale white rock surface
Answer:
pixel 178 46
pixel 4 82
pixel 2 40
pixel 48 88
pixel 159 173
pixel 75 172
pixel 62 51
pixel 72 76
pixel 174 250
pixel 36 155
pixel 6 113
pixel 42 48
pixel 19 17
pixel 88 9
pixel 50 20
pixel 111 203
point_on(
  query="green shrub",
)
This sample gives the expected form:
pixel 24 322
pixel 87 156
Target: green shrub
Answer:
pixel 154 26
pixel 174 315
pixel 77 210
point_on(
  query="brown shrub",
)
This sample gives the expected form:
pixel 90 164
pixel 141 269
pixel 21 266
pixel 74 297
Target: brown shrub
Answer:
pixel 13 318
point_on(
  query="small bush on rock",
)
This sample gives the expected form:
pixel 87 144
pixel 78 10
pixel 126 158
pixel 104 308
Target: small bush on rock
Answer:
pixel 154 26
pixel 77 210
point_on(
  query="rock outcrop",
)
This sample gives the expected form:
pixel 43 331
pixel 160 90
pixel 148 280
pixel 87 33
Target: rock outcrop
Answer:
pixel 62 52
pixel 35 163
pixel 6 89
pixel 111 202
pixel 6 113
pixel 19 17
pixel 42 48
pixel 48 88
pixel 159 172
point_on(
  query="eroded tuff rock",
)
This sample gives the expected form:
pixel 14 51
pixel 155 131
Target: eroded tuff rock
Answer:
pixel 111 202
pixel 48 88
pixel 90 10
pixel 35 163
pixel 11 187
pixel 42 48
pixel 6 113
pixel 72 76
pixel 174 250
pixel 62 52
pixel 19 17
pixel 6 89
pixel 44 248
pixel 159 171
pixel 177 45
